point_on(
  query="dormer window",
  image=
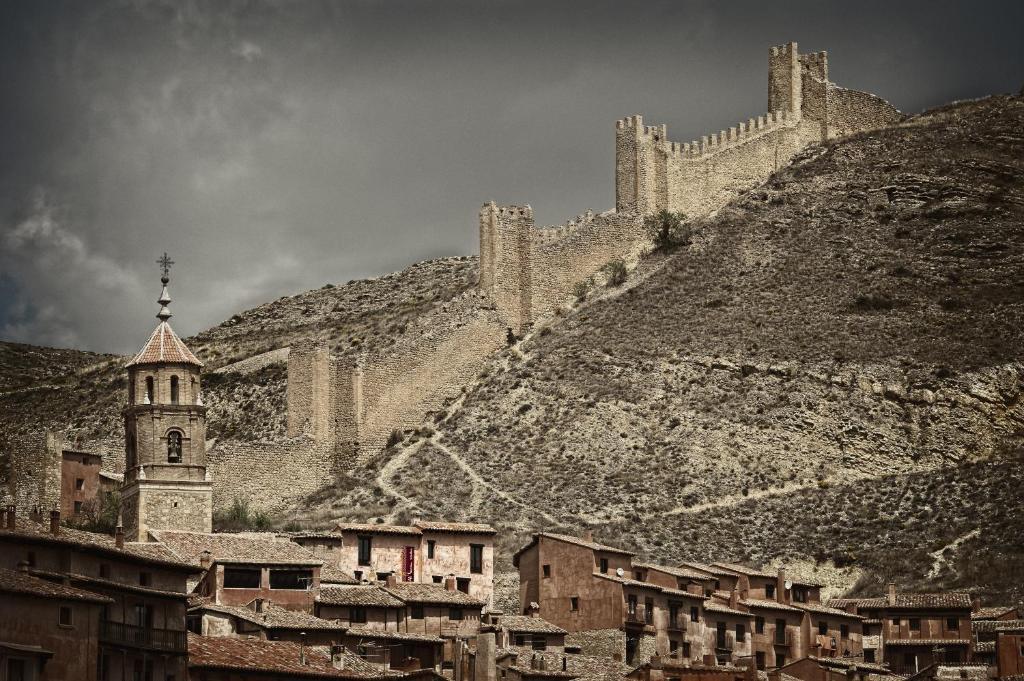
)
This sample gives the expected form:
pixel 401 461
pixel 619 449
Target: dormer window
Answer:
pixel 174 389
pixel 174 447
pixel 149 389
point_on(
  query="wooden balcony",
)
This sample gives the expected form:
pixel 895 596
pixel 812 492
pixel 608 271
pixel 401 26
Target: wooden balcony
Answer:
pixel 164 640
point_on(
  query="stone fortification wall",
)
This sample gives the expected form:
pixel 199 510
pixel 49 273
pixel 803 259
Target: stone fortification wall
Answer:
pixel 271 476
pixel 33 472
pixel 697 178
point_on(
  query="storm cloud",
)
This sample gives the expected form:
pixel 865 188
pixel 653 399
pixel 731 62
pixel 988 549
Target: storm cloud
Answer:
pixel 278 146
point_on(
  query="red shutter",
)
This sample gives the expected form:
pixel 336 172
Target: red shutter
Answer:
pixel 409 564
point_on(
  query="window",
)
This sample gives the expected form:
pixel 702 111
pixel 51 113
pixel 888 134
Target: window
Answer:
pixel 241 578
pixel 741 632
pixel 547 571
pixel 64 616
pixel 539 642
pixel 844 631
pixel 718 584
pixel 144 616
pixel 437 579
pixel 638 575
pixel 357 615
pixel 915 624
pixel 759 661
pixel 895 621
pixel 952 624
pixel 462 584
pixel 769 591
pixel 174 447
pixel 174 389
pixel 149 390
pixel 758 626
pixel 604 565
pixel 800 594
pixel 780 659
pixel 78 508
pixel 382 576
pixel 780 633
pixel 104 571
pixel 720 628
pixel 631 604
pixel 365 547
pixel 686 649
pixel 144 579
pixel 649 610
pixel 31 559
pixel 673 615
pixel 822 628
pixel 416 612
pixel 430 548
pixel 694 614
pixel 455 614
pixel 673 648
pixel 869 655
pixel 291 579
pixel 79 483
pixel 476 558
pixel 358 574
pixel 574 603
pixel 520 640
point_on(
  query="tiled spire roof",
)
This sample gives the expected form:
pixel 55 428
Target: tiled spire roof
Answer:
pixel 164 346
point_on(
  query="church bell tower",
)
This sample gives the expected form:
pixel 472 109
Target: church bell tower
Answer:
pixel 166 486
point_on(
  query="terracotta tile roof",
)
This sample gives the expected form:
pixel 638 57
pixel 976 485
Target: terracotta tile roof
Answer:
pixel 682 593
pixel 593 546
pixel 164 347
pixel 367 632
pixel 377 528
pixel 990 626
pixel 626 581
pixel 984 646
pixel 927 642
pixel 368 595
pixel 744 570
pixel 415 592
pixel 991 612
pixel 103 544
pixel 332 574
pixel 757 603
pixel 17 582
pixel 455 528
pixel 825 610
pixel 275 617
pixel 682 572
pixel 908 601
pixel 313 534
pixel 704 567
pixel 584 667
pixel 271 657
pixel 235 548
pixel 527 624
pixel 839 663
pixel 712 606
pixel 100 584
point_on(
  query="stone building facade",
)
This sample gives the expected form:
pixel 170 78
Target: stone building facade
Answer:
pixel 166 485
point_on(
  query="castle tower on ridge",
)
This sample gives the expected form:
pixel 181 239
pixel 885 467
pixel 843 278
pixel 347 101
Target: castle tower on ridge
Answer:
pixel 166 486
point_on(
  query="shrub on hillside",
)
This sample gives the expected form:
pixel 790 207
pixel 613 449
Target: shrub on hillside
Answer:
pixel 667 230
pixel 240 518
pixel 615 273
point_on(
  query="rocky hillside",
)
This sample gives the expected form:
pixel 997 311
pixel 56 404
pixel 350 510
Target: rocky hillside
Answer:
pixel 823 376
pixel 829 376
pixel 82 393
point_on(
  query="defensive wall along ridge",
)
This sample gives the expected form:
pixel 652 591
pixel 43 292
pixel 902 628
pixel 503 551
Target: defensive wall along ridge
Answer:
pixel 341 411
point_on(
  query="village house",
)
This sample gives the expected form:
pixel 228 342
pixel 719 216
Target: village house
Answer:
pixel 911 631
pixel 141 589
pixel 440 610
pixel 999 644
pixel 812 668
pixel 238 569
pixel 531 631
pixel 50 631
pixel 426 551
pixel 659 669
pixel 994 612
pixel 264 620
pixel 363 605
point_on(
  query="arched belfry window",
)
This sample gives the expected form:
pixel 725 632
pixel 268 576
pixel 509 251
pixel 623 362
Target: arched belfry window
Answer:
pixel 174 389
pixel 149 390
pixel 130 447
pixel 174 447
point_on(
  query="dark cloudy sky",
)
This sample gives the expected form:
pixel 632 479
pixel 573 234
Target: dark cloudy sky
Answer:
pixel 274 147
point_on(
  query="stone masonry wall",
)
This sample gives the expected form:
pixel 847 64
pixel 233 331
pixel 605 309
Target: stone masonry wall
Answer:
pixel 851 111
pixel 33 478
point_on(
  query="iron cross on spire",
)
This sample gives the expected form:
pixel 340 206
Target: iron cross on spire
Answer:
pixel 165 264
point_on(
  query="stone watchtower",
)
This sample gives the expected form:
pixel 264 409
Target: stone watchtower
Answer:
pixel 166 486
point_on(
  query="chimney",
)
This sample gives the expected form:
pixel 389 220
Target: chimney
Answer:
pixel 302 648
pixel 892 594
pixel 23 566
pixel 486 652
pixel 55 522
pixel 11 508
pixel 588 535
pixel 449 583
pixel 976 604
pixel 780 586
pixel 260 605
pixel 338 656
pixel 119 536
pixel 734 598
pixel 205 560
pixel 391 579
